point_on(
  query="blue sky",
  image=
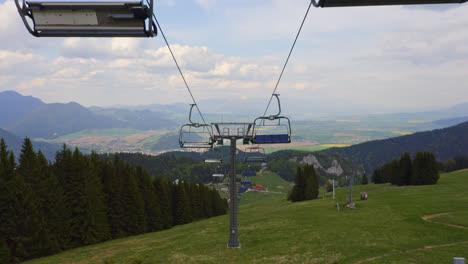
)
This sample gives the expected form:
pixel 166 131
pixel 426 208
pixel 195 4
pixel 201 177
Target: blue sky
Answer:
pixel 380 58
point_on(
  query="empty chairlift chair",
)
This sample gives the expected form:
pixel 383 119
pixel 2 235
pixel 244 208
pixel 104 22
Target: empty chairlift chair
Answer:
pixel 273 129
pixel 88 19
pixel 218 156
pixel 219 172
pixel 242 190
pixel 249 173
pixel 195 135
pixel 254 154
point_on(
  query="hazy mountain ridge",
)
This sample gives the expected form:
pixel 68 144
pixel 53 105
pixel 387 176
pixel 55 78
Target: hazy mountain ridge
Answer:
pixel 445 143
pixel 36 119
pixel 14 106
pixel 15 143
pixel 451 121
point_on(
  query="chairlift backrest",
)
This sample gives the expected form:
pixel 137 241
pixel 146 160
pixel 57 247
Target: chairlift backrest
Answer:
pixel 272 129
pixel 196 135
pixel 254 154
pixel 88 19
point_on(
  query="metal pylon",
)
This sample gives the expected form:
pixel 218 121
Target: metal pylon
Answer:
pixel 233 204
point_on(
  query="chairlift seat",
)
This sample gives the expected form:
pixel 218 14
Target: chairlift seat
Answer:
pixel 272 139
pixel 249 173
pixel 246 182
pixel 218 175
pixel 213 161
pixel 242 190
pixel 196 145
pixel 88 19
pixel 255 159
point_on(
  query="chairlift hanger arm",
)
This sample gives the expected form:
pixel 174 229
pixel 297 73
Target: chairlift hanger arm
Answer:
pixel 190 115
pixel 348 3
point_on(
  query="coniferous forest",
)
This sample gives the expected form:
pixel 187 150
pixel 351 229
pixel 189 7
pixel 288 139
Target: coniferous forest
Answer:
pixel 81 200
pixel 422 170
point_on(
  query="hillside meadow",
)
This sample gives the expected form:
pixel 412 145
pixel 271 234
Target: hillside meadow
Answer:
pixel 387 228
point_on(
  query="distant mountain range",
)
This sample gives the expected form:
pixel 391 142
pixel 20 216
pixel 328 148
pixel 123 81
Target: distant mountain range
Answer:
pixel 445 143
pixel 451 121
pixel 14 107
pixel 29 116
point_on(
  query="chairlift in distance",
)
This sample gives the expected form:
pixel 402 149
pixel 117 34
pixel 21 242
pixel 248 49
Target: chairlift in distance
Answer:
pixel 218 156
pixel 88 19
pixel 273 129
pixel 195 135
pixel 254 154
pixel 249 173
pixel 219 173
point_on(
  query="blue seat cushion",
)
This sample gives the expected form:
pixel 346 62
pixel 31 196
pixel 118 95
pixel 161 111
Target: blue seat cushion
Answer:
pixel 271 139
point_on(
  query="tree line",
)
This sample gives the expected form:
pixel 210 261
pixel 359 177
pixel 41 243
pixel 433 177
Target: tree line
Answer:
pixel 306 184
pixel 175 165
pixel 458 163
pixel 422 170
pixel 80 200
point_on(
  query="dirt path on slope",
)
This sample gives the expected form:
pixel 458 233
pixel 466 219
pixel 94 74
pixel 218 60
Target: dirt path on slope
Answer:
pixel 427 218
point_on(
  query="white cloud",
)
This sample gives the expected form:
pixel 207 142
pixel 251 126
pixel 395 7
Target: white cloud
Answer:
pixel 206 4
pixel 392 56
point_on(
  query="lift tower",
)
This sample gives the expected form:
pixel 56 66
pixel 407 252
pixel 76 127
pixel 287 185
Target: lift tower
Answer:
pixel 232 132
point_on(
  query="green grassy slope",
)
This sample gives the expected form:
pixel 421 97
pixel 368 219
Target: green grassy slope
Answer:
pixel 387 228
pixel 273 185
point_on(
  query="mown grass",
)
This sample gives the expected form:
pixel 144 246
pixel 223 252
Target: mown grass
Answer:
pixel 387 226
pixel 454 218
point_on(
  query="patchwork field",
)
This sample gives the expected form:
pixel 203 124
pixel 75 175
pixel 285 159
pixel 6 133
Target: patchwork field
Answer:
pixel 412 224
pixel 306 135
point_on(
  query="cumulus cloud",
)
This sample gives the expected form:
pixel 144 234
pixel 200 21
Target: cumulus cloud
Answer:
pixel 393 56
pixel 206 3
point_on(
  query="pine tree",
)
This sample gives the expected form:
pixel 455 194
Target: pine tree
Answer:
pixel 98 227
pixel 111 188
pixel 377 176
pixel 151 201
pixel 432 169
pixel 49 196
pixel 393 171
pixel 163 194
pixel 133 208
pixel 195 197
pixel 28 176
pixel 24 238
pixel 419 169
pixel 181 205
pixel 364 180
pixel 405 169
pixel 28 162
pixel 62 170
pixel 206 201
pixel 299 186
pixel 7 200
pixel 311 183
